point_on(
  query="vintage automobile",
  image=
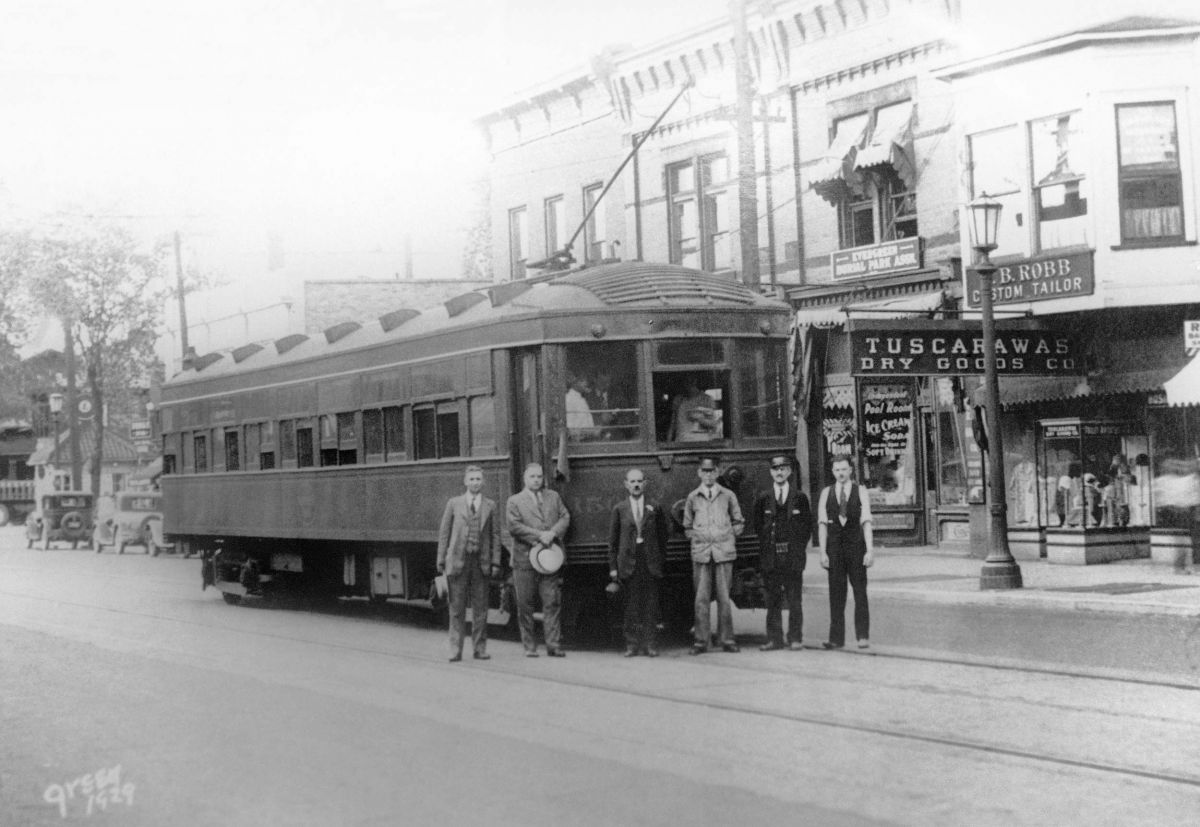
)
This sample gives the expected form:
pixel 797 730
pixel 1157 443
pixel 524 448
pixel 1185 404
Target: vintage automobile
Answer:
pixel 130 518
pixel 64 516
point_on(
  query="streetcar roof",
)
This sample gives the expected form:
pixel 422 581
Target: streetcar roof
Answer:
pixel 606 287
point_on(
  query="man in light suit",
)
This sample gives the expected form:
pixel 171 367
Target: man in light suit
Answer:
pixel 637 545
pixel 468 551
pixel 536 516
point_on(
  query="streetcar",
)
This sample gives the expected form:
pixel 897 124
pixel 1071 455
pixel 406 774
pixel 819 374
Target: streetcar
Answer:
pixel 321 464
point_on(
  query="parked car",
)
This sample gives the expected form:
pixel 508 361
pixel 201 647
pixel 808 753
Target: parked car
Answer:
pixel 131 518
pixel 64 516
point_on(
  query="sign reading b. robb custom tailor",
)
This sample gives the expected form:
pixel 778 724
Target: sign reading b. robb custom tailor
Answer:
pixel 1038 279
pixel 888 348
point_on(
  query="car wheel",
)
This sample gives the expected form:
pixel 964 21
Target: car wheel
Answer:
pixel 231 599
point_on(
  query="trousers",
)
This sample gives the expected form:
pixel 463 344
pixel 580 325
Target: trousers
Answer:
pixel 531 585
pixel 783 590
pixel 468 586
pixel 705 576
pixel 847 565
pixel 641 607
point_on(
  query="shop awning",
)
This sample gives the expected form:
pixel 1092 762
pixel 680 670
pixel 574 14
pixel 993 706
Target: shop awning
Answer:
pixel 1027 389
pixel 1184 387
pixel 891 143
pixel 835 171
pixel 150 471
pixel 893 307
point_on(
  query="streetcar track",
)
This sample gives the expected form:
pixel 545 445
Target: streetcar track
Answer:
pixel 721 706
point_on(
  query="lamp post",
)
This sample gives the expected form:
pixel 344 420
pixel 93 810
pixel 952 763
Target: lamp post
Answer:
pixel 56 405
pixel 1000 570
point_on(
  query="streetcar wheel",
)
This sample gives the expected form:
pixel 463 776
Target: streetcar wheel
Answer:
pixel 231 599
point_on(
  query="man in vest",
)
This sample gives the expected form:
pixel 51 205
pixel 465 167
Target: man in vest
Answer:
pixel 468 551
pixel 783 523
pixel 847 550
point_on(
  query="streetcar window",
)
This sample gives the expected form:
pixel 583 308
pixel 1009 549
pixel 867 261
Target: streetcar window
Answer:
pixel 690 352
pixel 168 466
pixel 691 406
pixel 266 460
pixel 266 455
pixel 764 380
pixel 253 441
pixel 347 428
pixel 601 391
pixel 189 453
pixel 304 447
pixel 200 450
pixel 435 431
pixel 395 446
pixel 372 428
pixel 483 426
pixel 170 452
pixel 232 450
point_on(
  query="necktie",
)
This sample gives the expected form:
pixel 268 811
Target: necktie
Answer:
pixel 472 506
pixel 637 510
pixel 779 494
pixel 842 501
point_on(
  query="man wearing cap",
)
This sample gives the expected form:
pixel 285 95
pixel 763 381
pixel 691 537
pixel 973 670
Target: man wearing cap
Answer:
pixel 783 523
pixel 712 520
pixel 637 544
pixel 847 551
pixel 535 519
pixel 468 551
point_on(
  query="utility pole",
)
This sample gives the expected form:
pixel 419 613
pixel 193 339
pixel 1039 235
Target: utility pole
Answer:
pixel 747 176
pixel 183 327
pixel 72 407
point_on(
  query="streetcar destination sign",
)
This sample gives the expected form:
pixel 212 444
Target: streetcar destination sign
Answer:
pixel 1038 279
pixel 890 348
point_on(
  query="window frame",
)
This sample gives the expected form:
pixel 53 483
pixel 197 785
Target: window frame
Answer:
pixel 518 242
pixel 554 217
pixel 1176 177
pixel 703 196
pixel 593 239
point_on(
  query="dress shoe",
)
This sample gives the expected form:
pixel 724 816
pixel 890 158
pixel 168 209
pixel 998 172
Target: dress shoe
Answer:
pixel 796 646
pixel 730 647
pixel 455 658
pixel 630 652
pixel 531 654
pixel 863 643
pixel 482 656
pixel 770 646
pixel 828 645
pixel 697 649
pixel 555 653
pixel 651 652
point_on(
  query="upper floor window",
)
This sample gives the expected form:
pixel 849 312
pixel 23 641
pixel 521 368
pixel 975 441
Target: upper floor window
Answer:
pixel 1151 189
pixel 518 242
pixel 556 225
pixel 1059 184
pixel 593 228
pixel 997 163
pixel 699 203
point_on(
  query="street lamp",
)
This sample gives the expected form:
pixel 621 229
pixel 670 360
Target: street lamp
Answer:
pixel 1000 570
pixel 56 405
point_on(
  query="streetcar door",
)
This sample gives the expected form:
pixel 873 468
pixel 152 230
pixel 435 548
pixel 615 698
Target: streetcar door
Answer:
pixel 527 411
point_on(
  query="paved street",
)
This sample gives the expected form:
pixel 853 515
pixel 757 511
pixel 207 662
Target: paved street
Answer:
pixel 270 715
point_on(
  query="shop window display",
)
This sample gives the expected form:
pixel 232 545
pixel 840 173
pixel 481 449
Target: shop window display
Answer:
pixel 888 439
pixel 1090 474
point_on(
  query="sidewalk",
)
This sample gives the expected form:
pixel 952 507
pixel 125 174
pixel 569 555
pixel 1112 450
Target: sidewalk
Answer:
pixel 933 574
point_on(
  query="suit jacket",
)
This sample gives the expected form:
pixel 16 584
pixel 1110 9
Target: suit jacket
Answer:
pixel 623 534
pixel 452 535
pixel 524 522
pixel 793 524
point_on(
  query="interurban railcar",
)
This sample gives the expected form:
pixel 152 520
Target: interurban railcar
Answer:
pixel 322 463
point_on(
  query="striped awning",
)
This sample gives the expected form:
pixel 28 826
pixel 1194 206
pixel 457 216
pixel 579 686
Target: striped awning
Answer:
pixel 892 307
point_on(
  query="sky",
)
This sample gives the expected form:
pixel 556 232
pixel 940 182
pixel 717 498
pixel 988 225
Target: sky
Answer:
pixel 341 126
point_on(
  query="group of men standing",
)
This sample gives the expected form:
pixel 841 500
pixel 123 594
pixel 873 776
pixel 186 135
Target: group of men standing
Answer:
pixel 535 518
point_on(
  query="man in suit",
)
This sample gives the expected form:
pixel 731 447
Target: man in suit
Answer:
pixel 712 520
pixel 468 551
pixel 637 545
pixel 783 522
pixel 536 517
pixel 847 551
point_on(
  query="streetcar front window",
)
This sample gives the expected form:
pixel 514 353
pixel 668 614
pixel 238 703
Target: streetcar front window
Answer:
pixel 691 406
pixel 764 380
pixel 601 393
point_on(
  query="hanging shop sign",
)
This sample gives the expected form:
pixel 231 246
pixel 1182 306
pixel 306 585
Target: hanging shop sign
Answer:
pixel 1191 336
pixel 932 347
pixel 884 259
pixel 1037 279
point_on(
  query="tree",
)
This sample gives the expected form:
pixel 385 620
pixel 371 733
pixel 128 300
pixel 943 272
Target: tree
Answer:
pixel 109 295
pixel 16 314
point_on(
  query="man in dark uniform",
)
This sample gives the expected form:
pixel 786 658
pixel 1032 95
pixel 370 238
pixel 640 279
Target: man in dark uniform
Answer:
pixel 637 545
pixel 847 550
pixel 783 523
